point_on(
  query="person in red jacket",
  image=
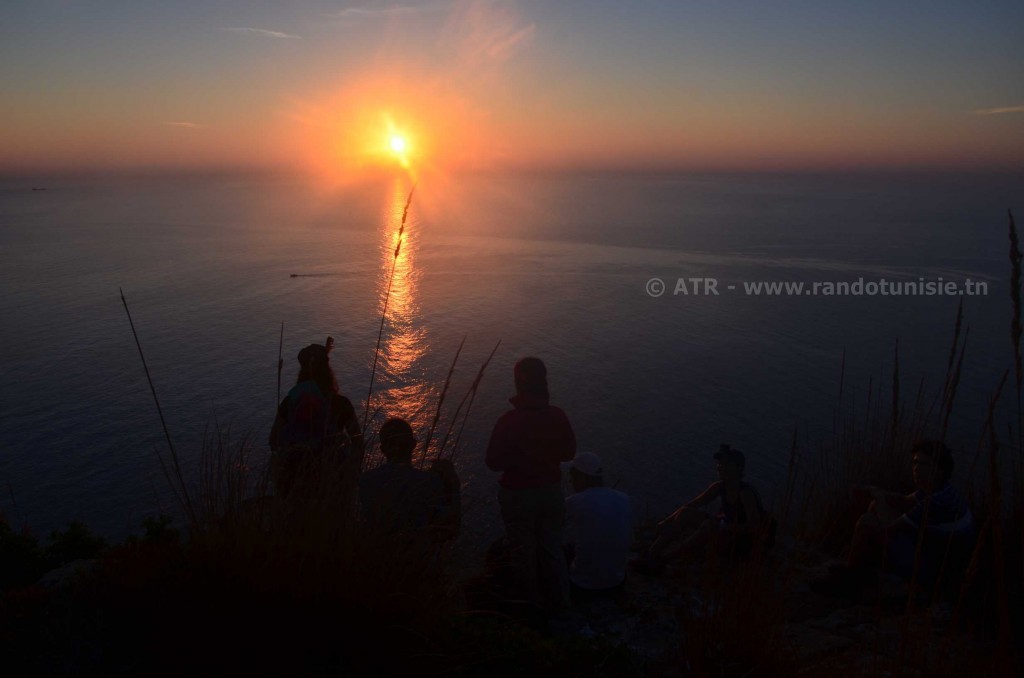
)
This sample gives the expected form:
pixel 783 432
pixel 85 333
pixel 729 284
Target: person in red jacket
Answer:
pixel 527 445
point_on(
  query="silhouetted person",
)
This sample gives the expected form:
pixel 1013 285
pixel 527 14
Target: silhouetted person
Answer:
pixel 598 530
pixel 527 445
pixel 316 426
pixel 400 499
pixel 734 532
pixel 886 536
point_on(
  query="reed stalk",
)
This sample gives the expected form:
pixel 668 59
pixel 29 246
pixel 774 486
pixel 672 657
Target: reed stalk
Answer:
pixel 387 298
pixel 440 402
pixel 280 365
pixel 180 492
pixel 471 394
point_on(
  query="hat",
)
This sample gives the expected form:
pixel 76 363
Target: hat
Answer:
pixel 312 351
pixel 728 455
pixel 588 463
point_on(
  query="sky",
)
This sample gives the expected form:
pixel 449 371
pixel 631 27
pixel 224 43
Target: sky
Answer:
pixel 490 84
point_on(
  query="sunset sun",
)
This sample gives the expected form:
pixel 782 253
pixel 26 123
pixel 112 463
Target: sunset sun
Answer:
pixel 398 144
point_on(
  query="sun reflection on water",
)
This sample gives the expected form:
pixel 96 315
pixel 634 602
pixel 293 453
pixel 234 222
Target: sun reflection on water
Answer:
pixel 403 388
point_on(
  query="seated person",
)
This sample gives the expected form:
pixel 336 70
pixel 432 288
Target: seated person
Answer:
pixel 741 523
pixel 401 499
pixel 886 536
pixel 598 530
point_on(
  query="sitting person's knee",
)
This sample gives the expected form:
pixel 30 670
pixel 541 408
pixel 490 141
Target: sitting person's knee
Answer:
pixel 869 521
pixel 709 526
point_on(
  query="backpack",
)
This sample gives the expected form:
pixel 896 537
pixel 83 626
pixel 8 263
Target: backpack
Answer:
pixel 309 423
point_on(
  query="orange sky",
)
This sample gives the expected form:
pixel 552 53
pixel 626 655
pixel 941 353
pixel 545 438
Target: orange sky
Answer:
pixel 491 84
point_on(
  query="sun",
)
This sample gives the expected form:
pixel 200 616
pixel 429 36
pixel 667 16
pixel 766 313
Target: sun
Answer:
pixel 398 144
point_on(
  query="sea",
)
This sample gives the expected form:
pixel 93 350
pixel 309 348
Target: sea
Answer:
pixel 648 296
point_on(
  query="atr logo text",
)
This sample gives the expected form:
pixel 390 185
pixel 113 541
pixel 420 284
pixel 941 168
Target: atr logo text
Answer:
pixel 696 286
pixel 684 287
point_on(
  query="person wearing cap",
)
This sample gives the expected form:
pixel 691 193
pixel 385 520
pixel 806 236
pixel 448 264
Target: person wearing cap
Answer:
pixel 598 530
pixel 313 418
pixel 527 446
pixel 733 531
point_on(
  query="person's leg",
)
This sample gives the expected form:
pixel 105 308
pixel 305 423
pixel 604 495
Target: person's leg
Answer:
pixel 866 547
pixel 554 573
pixel 862 565
pixel 707 532
pixel 670 529
pixel 519 528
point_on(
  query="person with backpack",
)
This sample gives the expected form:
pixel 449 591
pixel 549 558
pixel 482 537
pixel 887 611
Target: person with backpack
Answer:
pixel 740 528
pixel 316 427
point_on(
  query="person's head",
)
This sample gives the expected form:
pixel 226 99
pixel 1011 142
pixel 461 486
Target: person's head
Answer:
pixel 586 471
pixel 315 364
pixel 531 377
pixel 397 440
pixel 731 463
pixel 932 464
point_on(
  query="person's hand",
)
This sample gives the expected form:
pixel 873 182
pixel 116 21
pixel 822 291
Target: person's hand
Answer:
pixel 870 493
pixel 674 516
pixel 864 491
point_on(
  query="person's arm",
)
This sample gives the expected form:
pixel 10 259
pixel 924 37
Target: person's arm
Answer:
pixel 280 419
pixel 890 505
pixel 501 447
pixel 348 422
pixel 355 433
pixel 447 518
pixel 713 491
pixel 569 452
pixel 569 532
pixel 913 516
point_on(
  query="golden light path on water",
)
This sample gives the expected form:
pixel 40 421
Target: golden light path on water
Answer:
pixel 404 391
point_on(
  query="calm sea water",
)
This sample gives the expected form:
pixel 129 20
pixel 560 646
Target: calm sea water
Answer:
pixel 552 265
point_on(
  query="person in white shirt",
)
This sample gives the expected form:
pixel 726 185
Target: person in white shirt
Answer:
pixel 598 529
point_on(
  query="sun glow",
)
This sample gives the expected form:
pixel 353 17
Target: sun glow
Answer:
pixel 399 148
pixel 384 123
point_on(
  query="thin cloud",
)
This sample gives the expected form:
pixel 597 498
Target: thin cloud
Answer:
pixel 505 47
pixel 488 32
pixel 183 125
pixel 264 33
pixel 1000 111
pixel 367 13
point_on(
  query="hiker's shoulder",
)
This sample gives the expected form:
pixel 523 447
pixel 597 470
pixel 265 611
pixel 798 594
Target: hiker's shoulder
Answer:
pixel 342 403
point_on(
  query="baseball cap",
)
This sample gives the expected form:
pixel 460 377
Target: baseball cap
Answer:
pixel 588 464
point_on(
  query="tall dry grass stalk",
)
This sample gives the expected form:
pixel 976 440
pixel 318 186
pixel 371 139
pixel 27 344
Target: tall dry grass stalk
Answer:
pixel 440 403
pixel 313 544
pixel 387 298
pixel 1017 460
pixel 470 396
pixel 179 489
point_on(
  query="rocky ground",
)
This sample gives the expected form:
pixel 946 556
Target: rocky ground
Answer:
pixel 688 621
